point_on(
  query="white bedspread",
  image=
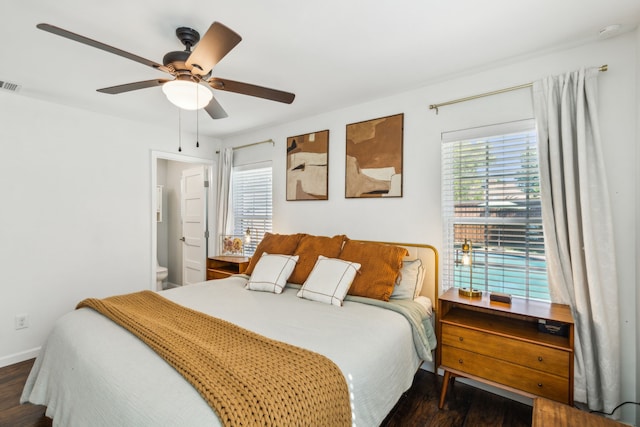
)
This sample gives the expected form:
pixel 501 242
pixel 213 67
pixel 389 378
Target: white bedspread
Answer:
pixel 91 372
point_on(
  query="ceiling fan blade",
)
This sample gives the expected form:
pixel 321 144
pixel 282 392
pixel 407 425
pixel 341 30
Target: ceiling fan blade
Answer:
pixel 215 110
pixel 113 90
pixel 85 40
pixel 213 46
pixel 252 90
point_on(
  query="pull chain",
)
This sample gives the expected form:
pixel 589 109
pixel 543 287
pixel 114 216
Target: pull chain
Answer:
pixel 197 119
pixel 179 131
pixel 197 128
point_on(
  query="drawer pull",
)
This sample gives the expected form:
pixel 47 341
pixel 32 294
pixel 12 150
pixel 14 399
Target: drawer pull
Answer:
pixel 460 361
pixel 540 385
pixel 539 358
pixel 461 339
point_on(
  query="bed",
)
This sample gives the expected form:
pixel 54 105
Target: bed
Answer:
pixel 93 372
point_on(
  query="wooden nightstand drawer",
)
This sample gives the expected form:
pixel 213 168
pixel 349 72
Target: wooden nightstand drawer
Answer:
pixel 224 266
pixel 506 373
pixel 215 274
pixel 535 356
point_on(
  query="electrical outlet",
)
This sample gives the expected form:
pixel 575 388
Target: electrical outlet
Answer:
pixel 22 321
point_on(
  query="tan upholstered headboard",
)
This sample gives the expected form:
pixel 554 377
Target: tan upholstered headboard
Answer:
pixel 429 256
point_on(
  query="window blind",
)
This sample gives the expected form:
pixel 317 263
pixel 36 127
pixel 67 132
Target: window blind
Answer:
pixel 252 203
pixel 491 196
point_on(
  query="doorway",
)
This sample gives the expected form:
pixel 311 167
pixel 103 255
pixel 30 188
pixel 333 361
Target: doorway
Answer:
pixel 166 230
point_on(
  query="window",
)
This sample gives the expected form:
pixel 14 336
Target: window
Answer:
pixel 252 202
pixel 491 196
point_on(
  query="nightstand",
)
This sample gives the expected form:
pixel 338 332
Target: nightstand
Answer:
pixel 219 267
pixel 502 345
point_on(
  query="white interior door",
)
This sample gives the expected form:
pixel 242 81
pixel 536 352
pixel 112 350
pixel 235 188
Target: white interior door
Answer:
pixel 193 202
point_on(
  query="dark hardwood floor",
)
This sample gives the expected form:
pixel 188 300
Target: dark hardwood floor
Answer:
pixel 465 406
pixel 12 413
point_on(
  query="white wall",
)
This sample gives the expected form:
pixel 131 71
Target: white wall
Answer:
pixel 637 181
pixel 416 216
pixel 76 213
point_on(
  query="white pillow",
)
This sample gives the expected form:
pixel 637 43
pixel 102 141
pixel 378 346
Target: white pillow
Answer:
pixel 271 272
pixel 409 283
pixel 329 280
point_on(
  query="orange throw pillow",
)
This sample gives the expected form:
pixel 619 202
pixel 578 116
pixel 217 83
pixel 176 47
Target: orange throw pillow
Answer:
pixel 309 248
pixel 283 244
pixel 380 266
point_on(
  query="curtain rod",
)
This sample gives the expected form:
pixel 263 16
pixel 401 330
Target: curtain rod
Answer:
pixel 251 145
pixel 495 92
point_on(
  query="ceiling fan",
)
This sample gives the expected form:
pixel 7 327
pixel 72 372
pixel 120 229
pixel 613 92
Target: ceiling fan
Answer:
pixel 191 70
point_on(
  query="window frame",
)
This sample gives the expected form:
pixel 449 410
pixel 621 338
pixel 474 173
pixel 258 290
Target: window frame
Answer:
pixel 498 198
pixel 257 193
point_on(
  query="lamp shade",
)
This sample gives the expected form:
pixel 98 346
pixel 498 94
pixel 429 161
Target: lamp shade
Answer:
pixel 186 94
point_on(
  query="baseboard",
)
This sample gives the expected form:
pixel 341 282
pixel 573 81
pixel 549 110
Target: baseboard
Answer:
pixel 427 366
pixel 495 390
pixel 19 357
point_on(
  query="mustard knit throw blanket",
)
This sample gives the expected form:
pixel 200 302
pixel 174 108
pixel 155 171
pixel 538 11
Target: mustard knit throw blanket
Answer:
pixel 247 379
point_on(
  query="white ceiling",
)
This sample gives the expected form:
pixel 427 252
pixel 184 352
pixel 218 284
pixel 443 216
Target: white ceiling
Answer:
pixel 330 53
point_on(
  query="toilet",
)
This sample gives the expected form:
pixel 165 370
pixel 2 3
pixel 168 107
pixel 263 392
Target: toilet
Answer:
pixel 161 274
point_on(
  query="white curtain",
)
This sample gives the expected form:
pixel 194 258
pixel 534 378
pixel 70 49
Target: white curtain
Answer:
pixel 578 229
pixel 223 200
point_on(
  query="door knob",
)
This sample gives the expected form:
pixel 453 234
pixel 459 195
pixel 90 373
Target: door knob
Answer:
pixel 182 239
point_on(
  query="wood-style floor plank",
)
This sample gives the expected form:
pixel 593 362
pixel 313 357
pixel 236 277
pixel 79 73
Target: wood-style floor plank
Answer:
pixel 465 406
pixel 12 413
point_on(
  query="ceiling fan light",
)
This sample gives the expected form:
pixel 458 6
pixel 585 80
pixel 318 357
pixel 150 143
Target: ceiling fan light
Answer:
pixel 187 95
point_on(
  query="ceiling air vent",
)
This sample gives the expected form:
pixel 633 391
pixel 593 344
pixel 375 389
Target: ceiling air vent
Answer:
pixel 11 87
